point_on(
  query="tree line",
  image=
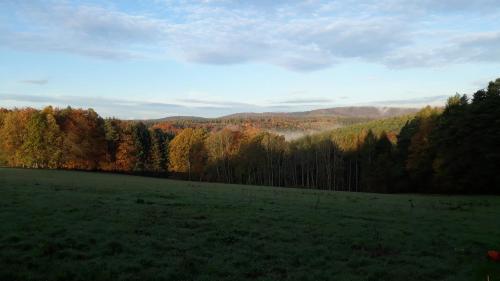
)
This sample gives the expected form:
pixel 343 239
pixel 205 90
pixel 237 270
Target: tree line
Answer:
pixel 454 149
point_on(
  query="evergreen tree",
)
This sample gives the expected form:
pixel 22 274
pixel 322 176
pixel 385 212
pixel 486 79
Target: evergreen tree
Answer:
pixel 158 154
pixel 112 137
pixel 142 142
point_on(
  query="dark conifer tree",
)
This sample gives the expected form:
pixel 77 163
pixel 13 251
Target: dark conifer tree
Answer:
pixel 142 142
pixel 158 153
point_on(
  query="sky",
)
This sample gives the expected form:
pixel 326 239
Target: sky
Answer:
pixel 151 59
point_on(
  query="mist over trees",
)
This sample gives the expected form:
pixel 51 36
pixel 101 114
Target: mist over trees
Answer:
pixel 450 150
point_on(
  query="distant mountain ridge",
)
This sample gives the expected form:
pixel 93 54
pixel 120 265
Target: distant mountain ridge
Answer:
pixel 372 112
pixel 363 111
pixel 347 111
pixel 179 118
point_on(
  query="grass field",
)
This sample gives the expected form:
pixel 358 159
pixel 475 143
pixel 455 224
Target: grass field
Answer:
pixel 61 225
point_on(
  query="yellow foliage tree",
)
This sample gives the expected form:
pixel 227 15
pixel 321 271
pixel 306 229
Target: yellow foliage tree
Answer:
pixel 187 152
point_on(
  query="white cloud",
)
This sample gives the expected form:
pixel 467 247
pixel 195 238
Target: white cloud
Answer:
pixel 468 48
pixel 35 81
pixel 412 103
pixel 298 35
pixel 139 109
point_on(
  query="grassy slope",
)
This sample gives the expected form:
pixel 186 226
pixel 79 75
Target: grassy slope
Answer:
pixel 75 225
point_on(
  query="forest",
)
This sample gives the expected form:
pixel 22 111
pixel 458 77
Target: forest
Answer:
pixel 290 124
pixel 454 149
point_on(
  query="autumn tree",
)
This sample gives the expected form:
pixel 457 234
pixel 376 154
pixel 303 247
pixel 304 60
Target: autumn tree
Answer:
pixel 187 153
pixel 84 138
pixel 222 149
pixel 3 156
pixel 42 144
pixel 125 152
pixel 12 135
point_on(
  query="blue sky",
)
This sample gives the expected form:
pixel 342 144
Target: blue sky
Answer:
pixel 150 59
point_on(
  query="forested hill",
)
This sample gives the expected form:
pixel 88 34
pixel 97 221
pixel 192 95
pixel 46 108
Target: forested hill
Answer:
pixel 291 124
pixel 391 126
pixel 372 112
pixel 439 150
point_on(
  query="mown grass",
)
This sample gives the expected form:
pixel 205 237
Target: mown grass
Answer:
pixel 62 225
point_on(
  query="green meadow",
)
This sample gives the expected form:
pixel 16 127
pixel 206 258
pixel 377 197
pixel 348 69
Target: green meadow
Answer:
pixel 66 225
